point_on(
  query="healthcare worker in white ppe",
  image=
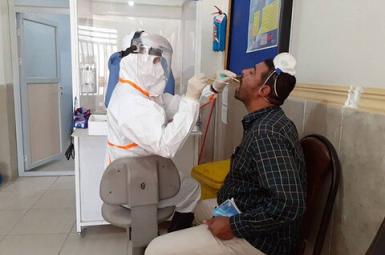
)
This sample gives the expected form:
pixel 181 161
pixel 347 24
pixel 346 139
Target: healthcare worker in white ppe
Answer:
pixel 143 121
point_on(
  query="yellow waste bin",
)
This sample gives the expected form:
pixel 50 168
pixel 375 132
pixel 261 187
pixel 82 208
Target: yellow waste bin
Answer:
pixel 211 176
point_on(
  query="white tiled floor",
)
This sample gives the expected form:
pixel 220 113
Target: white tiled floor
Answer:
pixel 32 244
pixel 58 165
pixel 30 184
pixel 98 244
pixel 8 220
pixel 64 182
pixel 37 217
pixel 19 200
pixel 66 198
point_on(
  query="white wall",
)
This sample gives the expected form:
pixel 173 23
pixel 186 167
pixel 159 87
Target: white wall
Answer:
pixel 8 165
pixel 209 64
pixel 339 42
pixel 189 17
pixel 5 48
pixel 211 61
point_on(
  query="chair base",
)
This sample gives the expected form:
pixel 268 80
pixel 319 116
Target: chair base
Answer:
pixel 121 216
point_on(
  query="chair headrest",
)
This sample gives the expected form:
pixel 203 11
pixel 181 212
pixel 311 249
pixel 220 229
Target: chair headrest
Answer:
pixel 124 175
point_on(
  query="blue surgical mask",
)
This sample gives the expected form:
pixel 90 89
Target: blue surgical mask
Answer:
pixel 227 209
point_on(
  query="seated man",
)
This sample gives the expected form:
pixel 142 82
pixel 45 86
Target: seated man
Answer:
pixel 266 180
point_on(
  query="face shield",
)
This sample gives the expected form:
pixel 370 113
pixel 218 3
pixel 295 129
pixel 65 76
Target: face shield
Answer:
pixel 154 55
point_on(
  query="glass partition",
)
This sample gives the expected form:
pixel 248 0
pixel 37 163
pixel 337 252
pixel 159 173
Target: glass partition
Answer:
pixel 101 27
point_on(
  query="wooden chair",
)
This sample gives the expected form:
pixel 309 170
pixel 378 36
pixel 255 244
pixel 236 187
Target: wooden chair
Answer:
pixel 378 244
pixel 323 177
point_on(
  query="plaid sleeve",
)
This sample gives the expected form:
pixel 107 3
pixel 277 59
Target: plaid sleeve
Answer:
pixel 279 177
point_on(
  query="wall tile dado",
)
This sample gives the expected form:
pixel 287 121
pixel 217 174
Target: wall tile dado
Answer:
pixel 324 120
pixel 359 138
pixel 294 109
pixel 361 203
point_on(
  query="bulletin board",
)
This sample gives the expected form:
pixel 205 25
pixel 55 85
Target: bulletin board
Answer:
pixel 240 54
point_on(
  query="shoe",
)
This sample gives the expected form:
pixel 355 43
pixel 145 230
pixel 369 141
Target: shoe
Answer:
pixel 180 221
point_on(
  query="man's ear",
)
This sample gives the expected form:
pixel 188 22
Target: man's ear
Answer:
pixel 265 91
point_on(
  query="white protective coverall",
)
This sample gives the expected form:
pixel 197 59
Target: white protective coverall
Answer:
pixel 139 123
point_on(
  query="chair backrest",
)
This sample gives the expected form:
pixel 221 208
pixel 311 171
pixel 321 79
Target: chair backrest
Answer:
pixel 323 177
pixel 139 171
pixel 378 244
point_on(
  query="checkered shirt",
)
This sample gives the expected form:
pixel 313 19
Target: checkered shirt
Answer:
pixel 268 183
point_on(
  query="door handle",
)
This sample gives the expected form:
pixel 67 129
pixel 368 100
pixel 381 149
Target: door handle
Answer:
pixel 61 90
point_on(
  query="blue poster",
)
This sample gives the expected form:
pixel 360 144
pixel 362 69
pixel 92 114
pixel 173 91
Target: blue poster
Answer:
pixel 264 20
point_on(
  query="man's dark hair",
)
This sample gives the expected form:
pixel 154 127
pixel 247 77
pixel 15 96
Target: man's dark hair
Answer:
pixel 285 84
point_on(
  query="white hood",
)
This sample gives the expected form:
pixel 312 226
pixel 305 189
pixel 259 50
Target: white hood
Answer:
pixel 141 70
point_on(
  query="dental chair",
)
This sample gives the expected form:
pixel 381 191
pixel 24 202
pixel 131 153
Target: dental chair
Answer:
pixel 131 189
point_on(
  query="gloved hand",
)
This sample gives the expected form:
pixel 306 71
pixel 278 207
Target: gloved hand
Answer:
pixel 223 79
pixel 196 85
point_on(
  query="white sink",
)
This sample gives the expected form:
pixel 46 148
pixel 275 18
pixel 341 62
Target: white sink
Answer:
pixel 97 125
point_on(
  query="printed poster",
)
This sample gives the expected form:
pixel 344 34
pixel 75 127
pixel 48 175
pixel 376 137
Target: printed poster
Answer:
pixel 263 24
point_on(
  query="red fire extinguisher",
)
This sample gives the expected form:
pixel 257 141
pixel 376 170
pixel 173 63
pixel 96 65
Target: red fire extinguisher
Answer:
pixel 219 30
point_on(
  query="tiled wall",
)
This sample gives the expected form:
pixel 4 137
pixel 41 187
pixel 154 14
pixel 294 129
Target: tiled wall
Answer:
pixel 359 138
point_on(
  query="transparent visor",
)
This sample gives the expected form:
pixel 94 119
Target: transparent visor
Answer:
pixel 154 67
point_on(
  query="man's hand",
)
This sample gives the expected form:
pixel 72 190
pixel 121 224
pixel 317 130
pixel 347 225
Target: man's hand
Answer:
pixel 220 227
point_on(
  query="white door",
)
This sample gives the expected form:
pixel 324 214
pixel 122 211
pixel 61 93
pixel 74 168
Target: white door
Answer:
pixel 39 89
